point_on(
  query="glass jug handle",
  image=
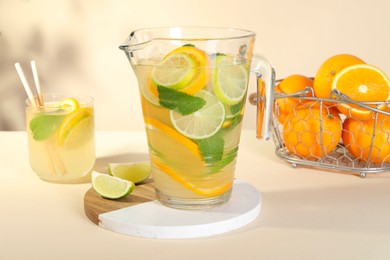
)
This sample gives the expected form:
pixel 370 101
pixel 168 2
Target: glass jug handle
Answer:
pixel 264 98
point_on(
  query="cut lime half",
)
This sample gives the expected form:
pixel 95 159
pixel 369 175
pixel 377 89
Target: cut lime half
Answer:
pixel 176 71
pixel 203 123
pixel 135 172
pixel 230 80
pixel 111 187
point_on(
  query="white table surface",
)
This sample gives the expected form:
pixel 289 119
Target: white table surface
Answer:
pixel 306 213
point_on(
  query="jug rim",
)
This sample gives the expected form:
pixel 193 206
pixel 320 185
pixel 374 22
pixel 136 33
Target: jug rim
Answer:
pixel 236 33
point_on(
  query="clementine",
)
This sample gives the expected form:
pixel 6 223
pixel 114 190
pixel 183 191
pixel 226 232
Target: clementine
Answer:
pixel 311 131
pixel 366 140
pixel 290 85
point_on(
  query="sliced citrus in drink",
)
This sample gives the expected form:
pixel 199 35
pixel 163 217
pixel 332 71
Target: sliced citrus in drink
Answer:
pixel 70 103
pixel 203 123
pixel 200 186
pixel 230 80
pixel 147 93
pixel 168 148
pixel 175 71
pixel 190 78
pixel 135 172
pixel 362 83
pixel 163 136
pixel 111 187
pixel 76 128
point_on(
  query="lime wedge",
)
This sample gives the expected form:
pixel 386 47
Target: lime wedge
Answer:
pixel 230 80
pixel 111 187
pixel 203 123
pixel 135 172
pixel 176 71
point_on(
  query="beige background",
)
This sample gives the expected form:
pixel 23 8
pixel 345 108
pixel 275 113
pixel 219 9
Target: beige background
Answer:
pixel 75 44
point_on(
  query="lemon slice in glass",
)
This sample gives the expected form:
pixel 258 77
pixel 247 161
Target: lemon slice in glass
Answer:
pixel 175 71
pixel 70 103
pixel 135 172
pixel 230 80
pixel 76 128
pixel 111 187
pixel 203 123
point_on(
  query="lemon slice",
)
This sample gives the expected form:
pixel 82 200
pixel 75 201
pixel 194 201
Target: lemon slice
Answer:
pixel 135 172
pixel 175 71
pixel 71 103
pixel 76 128
pixel 203 123
pixel 146 91
pixel 111 187
pixel 230 80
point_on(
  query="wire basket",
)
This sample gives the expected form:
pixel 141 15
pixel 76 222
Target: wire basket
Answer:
pixel 367 150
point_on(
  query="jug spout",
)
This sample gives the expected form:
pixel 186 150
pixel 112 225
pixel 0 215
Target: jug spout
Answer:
pixel 130 44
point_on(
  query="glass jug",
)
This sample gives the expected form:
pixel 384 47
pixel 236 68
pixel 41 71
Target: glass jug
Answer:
pixel 193 84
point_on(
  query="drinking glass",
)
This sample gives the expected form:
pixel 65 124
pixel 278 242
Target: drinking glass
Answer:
pixel 61 140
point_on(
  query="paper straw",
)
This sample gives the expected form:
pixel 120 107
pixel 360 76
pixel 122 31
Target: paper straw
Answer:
pixel 36 81
pixel 25 84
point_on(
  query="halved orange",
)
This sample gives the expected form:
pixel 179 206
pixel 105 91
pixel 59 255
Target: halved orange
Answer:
pixel 362 83
pixel 328 70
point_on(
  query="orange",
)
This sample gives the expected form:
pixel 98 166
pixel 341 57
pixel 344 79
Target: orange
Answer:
pixel 328 70
pixel 358 136
pixel 290 85
pixel 362 82
pixel 202 73
pixel 311 132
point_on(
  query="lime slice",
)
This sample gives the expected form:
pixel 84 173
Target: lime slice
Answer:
pixel 136 172
pixel 111 187
pixel 175 71
pixel 230 80
pixel 149 95
pixel 76 128
pixel 202 123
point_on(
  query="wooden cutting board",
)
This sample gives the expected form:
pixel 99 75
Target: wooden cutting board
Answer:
pixel 94 204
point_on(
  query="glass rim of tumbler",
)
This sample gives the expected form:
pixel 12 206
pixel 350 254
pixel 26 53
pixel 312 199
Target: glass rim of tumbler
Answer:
pixel 83 99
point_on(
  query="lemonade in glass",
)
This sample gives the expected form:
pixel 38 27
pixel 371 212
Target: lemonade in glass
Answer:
pixel 61 138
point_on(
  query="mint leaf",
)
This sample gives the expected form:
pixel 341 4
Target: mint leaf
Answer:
pixel 178 101
pixel 211 148
pixel 44 126
pixel 227 158
pixel 220 54
pixel 234 109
